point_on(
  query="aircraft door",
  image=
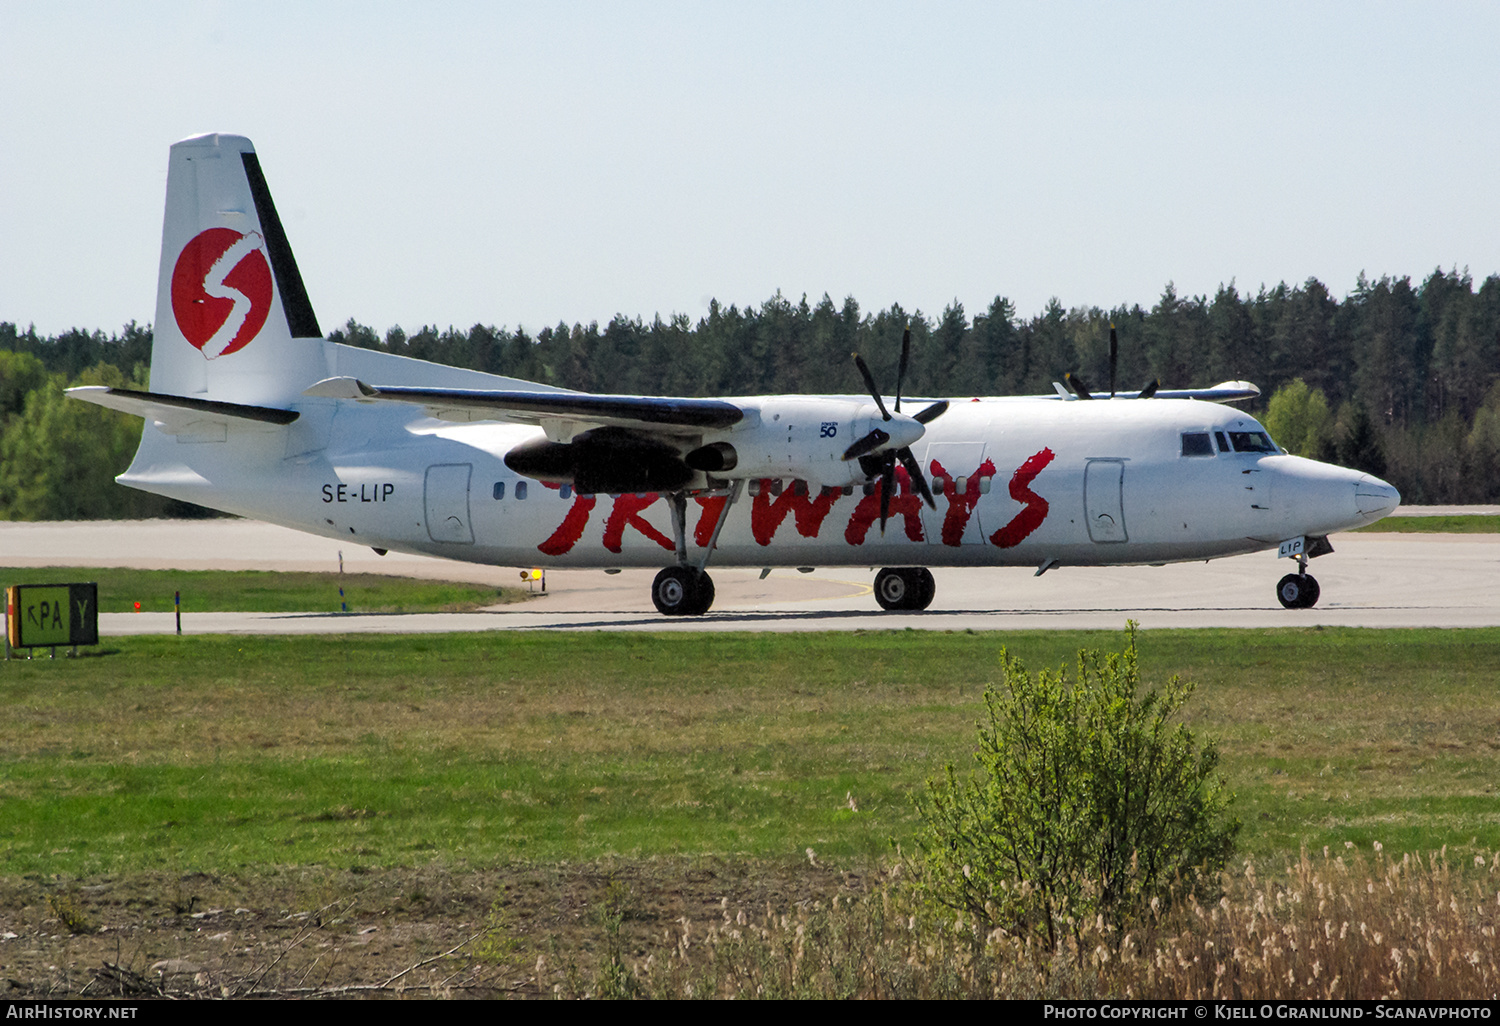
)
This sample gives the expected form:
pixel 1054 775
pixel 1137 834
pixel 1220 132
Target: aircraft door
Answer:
pixel 446 501
pixel 1104 500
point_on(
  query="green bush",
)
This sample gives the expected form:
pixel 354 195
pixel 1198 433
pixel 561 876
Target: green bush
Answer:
pixel 1088 802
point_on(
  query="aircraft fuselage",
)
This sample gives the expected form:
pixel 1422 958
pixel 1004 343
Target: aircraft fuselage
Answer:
pixel 1017 482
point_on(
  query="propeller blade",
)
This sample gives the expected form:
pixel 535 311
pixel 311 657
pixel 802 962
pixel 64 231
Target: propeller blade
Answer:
pixel 1150 390
pixel 1114 357
pixel 1076 384
pixel 887 482
pixel 931 413
pixel 870 385
pixel 910 463
pixel 874 440
pixel 901 368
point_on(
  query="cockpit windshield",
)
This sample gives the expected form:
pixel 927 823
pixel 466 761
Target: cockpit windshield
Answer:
pixel 1252 441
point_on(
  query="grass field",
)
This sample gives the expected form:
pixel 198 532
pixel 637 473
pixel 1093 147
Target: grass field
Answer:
pixel 545 814
pixel 216 754
pixel 256 591
pixel 1464 523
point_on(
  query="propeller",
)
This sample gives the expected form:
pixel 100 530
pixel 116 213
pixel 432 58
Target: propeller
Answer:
pixel 1076 383
pixel 1114 357
pixel 868 444
pixel 1081 390
pixel 878 437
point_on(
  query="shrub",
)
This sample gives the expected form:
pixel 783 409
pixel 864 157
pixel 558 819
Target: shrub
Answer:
pixel 1087 803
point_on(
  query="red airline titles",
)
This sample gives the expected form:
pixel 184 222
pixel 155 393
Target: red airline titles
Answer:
pixel 769 510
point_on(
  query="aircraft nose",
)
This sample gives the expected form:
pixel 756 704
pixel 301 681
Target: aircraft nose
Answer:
pixel 1320 498
pixel 1373 498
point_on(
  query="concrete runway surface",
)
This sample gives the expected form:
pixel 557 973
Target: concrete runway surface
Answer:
pixel 1370 580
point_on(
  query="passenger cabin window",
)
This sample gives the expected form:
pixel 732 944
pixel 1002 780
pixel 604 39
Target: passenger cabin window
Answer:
pixel 520 489
pixel 499 489
pixel 1252 441
pixel 566 491
pixel 1197 443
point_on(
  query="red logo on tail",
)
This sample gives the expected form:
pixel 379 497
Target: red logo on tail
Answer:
pixel 221 290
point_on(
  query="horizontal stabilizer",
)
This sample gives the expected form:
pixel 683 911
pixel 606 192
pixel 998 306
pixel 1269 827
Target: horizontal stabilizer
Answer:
pixel 178 409
pixel 535 407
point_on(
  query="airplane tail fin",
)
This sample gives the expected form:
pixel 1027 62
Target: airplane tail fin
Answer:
pixel 233 320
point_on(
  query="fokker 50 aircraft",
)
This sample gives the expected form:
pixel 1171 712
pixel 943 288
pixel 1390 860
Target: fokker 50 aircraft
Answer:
pixel 250 410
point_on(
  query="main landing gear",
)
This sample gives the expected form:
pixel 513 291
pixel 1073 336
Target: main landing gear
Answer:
pixel 907 588
pixel 684 589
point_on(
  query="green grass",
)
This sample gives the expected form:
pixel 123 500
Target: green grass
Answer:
pixel 1466 523
pixel 262 591
pixel 216 754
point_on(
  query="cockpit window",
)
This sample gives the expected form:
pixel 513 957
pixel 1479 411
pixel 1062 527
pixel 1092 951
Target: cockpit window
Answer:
pixel 1196 443
pixel 1252 441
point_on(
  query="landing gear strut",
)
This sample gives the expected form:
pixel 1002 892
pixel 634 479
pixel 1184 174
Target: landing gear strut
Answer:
pixel 904 588
pixel 686 590
pixel 1298 590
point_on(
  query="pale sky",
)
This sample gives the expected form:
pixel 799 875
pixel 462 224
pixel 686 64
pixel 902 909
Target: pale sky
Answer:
pixel 524 164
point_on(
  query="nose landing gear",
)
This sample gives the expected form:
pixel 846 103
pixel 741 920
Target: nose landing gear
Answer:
pixel 1298 590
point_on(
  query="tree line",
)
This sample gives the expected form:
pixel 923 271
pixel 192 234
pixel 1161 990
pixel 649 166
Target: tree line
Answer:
pixel 1397 378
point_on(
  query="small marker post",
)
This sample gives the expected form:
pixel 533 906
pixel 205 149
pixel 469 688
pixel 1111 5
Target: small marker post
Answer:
pixel 177 608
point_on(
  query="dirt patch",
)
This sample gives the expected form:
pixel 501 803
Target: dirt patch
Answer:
pixel 514 931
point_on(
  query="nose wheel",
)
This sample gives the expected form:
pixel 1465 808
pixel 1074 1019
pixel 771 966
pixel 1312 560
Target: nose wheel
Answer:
pixel 1298 591
pixel 908 588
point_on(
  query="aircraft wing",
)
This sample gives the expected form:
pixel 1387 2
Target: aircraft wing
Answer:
pixel 177 411
pixel 1223 392
pixel 649 413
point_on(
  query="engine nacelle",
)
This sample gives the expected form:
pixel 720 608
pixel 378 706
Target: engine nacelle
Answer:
pixel 802 437
pixel 606 460
pixel 780 437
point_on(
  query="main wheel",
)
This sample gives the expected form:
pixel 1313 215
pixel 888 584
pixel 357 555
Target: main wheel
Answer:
pixel 682 591
pixel 703 593
pixel 1297 591
pixel 904 588
pixel 926 588
pixel 893 589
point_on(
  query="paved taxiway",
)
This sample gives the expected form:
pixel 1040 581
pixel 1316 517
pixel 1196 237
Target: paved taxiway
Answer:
pixel 1370 580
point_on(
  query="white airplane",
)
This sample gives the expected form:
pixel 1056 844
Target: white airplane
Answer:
pixel 251 411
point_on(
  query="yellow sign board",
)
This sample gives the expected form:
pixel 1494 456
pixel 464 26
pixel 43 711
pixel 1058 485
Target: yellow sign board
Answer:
pixel 52 614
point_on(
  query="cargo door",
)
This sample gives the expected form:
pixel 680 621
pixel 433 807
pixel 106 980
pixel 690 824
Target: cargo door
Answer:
pixel 1104 500
pixel 446 501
